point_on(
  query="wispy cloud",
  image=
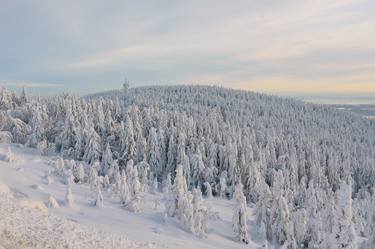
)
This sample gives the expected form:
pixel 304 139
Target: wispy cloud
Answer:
pixel 7 83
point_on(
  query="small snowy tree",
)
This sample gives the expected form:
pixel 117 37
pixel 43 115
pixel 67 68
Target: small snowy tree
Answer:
pixel 52 203
pixel 167 186
pixel 125 194
pixel 223 184
pixel 143 169
pixel 93 176
pixel 99 197
pixel 69 198
pixel 199 222
pixel 136 198
pixel 208 190
pixel 107 160
pixel 59 167
pixel 240 215
pixel 81 173
pixel 186 212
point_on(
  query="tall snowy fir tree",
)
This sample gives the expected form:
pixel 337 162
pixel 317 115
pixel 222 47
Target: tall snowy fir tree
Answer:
pixel 240 215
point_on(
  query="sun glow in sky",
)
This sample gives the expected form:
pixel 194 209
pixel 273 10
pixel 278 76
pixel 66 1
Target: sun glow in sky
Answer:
pixel 291 46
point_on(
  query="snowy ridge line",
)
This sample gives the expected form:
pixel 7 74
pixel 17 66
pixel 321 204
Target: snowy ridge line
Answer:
pixel 22 227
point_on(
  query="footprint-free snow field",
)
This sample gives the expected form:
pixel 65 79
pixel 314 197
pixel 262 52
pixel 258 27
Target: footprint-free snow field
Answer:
pixel 28 220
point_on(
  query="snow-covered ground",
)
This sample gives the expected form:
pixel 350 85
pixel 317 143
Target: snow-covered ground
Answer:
pixel 86 224
pixel 24 225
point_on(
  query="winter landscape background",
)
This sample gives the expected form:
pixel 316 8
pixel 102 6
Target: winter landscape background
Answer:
pixel 187 124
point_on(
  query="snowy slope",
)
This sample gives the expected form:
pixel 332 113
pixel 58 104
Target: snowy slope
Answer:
pixel 27 179
pixel 24 227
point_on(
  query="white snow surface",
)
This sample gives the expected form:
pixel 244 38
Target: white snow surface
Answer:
pixel 24 227
pixel 25 224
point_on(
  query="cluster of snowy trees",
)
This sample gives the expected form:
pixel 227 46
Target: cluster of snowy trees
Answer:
pixel 308 169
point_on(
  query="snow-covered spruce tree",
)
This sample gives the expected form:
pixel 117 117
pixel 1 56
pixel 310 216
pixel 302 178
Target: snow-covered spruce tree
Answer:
pixel 178 195
pixel 282 227
pixel 167 185
pixel 198 168
pixel 208 190
pixel 98 202
pixel 179 203
pixel 37 134
pixel 154 152
pixel 200 211
pixel 6 102
pixel 300 225
pixel 99 117
pixel 59 167
pixel 143 170
pixel 314 221
pixel 263 208
pixel 81 173
pixel 240 215
pixel 125 194
pixel 128 145
pixel 344 229
pixel 113 170
pixel 19 130
pixel 136 194
pixel 187 212
pixel 23 98
pixel 69 135
pixel 93 149
pixel 93 176
pixel 223 184
pixel 109 127
pixel 107 160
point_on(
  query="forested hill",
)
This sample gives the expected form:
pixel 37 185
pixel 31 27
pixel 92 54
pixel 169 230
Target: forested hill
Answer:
pixel 300 164
pixel 222 115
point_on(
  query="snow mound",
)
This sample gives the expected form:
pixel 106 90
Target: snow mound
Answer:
pixel 33 204
pixel 4 189
pixel 22 227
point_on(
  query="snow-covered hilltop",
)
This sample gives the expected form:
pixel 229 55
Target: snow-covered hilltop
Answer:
pixel 308 170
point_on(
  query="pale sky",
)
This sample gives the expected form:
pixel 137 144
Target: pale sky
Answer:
pixel 274 46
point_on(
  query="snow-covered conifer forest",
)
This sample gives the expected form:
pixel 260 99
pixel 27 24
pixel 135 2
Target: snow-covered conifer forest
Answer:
pixel 207 167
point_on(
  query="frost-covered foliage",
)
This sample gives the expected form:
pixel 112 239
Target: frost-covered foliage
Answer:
pixel 291 157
